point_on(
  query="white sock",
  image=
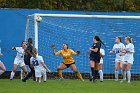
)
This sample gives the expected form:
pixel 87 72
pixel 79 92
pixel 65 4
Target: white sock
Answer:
pixel 124 76
pixel 21 74
pixel 128 76
pixel 116 75
pixel 44 77
pixel 91 75
pixel 1 72
pixel 101 75
pixel 12 75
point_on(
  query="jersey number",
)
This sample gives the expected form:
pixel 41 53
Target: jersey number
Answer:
pixel 35 63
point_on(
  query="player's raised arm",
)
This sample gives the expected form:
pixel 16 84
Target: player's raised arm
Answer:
pixel 55 53
pixel 13 48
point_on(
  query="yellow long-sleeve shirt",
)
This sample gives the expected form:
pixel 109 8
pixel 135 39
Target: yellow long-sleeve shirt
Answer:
pixel 67 55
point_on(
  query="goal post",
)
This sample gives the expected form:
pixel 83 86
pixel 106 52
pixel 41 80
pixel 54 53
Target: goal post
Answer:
pixel 78 30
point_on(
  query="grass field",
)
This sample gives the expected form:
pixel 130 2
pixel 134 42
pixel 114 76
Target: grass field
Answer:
pixel 68 86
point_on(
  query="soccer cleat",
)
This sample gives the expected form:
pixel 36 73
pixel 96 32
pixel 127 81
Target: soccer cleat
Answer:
pixel 90 79
pixel 61 78
pixel 129 82
pixel 121 81
pixel 94 80
pixel 116 79
pixel 11 79
pixel 44 81
pixel 23 80
pixel 101 81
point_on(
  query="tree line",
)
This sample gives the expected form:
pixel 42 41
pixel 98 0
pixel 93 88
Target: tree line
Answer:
pixel 85 5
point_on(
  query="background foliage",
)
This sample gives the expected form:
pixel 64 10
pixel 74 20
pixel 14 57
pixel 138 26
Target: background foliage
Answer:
pixel 87 5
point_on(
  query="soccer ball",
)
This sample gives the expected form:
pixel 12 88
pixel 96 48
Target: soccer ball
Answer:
pixel 38 19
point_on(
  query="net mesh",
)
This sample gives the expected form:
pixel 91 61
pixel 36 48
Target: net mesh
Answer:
pixel 78 34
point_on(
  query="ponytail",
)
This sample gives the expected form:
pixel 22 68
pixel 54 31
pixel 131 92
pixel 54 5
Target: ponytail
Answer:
pixel 100 41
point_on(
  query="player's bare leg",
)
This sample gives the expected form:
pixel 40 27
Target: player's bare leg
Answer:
pixel 24 69
pixel 60 68
pixel 2 68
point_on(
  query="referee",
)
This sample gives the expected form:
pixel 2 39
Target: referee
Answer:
pixel 28 55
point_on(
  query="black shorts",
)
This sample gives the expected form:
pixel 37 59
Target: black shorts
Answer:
pixel 95 59
pixel 68 65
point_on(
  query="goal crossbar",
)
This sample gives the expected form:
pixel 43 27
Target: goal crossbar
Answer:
pixel 87 16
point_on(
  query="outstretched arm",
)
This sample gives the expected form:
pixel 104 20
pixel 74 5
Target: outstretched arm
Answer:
pixel 75 53
pixel 44 65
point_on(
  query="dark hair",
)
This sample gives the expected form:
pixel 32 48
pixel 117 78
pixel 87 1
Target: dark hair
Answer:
pixel 119 38
pixel 99 40
pixel 30 39
pixel 129 39
pixel 22 42
pixel 66 45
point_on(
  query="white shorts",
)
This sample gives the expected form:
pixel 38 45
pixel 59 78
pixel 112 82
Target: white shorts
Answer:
pixel 101 62
pixel 127 62
pixel 19 62
pixel 119 59
pixel 40 72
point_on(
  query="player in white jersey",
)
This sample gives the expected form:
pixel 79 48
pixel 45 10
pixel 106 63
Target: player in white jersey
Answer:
pixel 19 59
pixel 2 67
pixel 102 54
pixel 119 55
pixel 40 68
pixel 128 58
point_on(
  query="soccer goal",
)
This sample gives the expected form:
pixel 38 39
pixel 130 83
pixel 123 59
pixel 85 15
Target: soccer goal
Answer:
pixel 78 30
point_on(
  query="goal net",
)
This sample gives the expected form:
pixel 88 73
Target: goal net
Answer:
pixel 78 31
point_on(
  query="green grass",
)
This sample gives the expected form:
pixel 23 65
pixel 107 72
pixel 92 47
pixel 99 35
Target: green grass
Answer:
pixel 68 86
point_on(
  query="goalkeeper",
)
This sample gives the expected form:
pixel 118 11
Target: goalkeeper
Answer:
pixel 68 60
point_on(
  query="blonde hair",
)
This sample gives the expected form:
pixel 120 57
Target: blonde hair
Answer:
pixel 129 39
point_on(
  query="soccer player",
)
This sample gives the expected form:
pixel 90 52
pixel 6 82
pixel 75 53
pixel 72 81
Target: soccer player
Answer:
pixel 102 54
pixel 128 58
pixel 119 55
pixel 95 56
pixel 67 53
pixel 40 68
pixel 2 67
pixel 19 59
pixel 27 56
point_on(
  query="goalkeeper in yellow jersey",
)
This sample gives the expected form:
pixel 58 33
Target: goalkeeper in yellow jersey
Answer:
pixel 68 60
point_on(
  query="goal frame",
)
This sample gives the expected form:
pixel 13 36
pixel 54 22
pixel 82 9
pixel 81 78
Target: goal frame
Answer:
pixel 69 16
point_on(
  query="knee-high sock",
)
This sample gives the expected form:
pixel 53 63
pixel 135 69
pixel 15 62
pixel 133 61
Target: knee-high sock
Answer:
pixel 60 73
pixel 96 74
pixel 12 75
pixel 1 72
pixel 128 76
pixel 93 72
pixel 116 75
pixel 101 75
pixel 79 76
pixel 124 75
pixel 44 77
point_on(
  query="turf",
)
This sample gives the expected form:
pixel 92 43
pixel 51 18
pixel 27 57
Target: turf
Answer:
pixel 68 86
